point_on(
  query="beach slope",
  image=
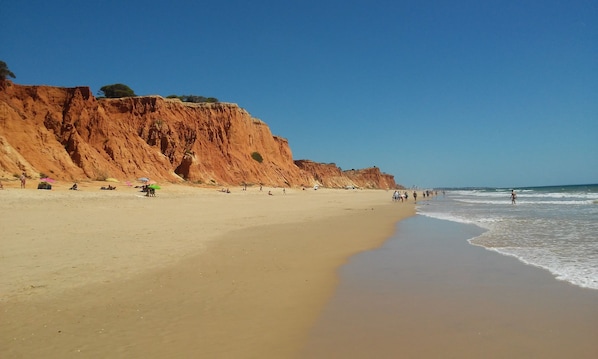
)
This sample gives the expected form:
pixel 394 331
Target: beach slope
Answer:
pixel 190 273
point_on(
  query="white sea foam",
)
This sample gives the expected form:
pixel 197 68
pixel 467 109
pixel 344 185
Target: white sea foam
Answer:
pixel 525 201
pixel 552 228
pixel 575 273
pixel 526 193
pixel 446 217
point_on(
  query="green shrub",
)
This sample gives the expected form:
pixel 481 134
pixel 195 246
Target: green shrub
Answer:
pixel 194 98
pixel 5 72
pixel 116 91
pixel 256 156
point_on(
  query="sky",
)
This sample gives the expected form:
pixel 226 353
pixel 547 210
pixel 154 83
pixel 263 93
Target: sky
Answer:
pixel 436 93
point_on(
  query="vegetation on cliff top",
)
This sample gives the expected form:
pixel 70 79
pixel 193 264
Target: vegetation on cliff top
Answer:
pixel 5 72
pixel 194 98
pixel 116 91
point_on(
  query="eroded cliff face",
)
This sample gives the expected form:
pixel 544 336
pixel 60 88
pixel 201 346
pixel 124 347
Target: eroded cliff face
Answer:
pixel 372 178
pixel 68 134
pixel 329 175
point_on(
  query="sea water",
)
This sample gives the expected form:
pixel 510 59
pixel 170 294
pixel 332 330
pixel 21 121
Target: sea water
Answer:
pixel 555 228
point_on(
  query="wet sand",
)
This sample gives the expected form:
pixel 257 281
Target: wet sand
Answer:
pixel 193 272
pixel 427 293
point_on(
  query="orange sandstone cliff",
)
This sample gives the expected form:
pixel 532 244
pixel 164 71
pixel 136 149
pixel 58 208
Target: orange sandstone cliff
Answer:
pixel 329 175
pixel 68 134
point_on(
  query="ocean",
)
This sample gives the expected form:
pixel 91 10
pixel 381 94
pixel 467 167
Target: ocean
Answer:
pixel 554 228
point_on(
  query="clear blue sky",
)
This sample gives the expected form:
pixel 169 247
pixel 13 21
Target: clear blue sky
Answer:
pixel 437 93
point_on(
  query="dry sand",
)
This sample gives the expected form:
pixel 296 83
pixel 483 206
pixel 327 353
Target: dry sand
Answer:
pixel 191 273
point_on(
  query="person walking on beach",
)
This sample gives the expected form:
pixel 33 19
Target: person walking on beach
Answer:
pixel 513 196
pixel 23 179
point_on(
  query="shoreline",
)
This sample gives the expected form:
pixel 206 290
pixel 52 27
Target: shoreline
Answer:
pixel 427 292
pixel 240 276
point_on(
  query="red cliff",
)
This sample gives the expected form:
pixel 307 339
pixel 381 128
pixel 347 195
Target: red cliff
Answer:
pixel 68 134
pixel 329 175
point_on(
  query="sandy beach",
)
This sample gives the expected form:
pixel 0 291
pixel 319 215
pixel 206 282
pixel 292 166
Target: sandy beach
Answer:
pixel 193 272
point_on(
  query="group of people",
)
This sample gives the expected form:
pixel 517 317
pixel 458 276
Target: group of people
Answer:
pixel 226 190
pixel 398 196
pixel 148 190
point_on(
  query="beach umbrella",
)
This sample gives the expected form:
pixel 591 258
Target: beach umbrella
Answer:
pixel 110 179
pixel 153 186
pixel 144 179
pixel 47 179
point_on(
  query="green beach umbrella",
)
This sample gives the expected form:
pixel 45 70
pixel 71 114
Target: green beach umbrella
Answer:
pixel 153 186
